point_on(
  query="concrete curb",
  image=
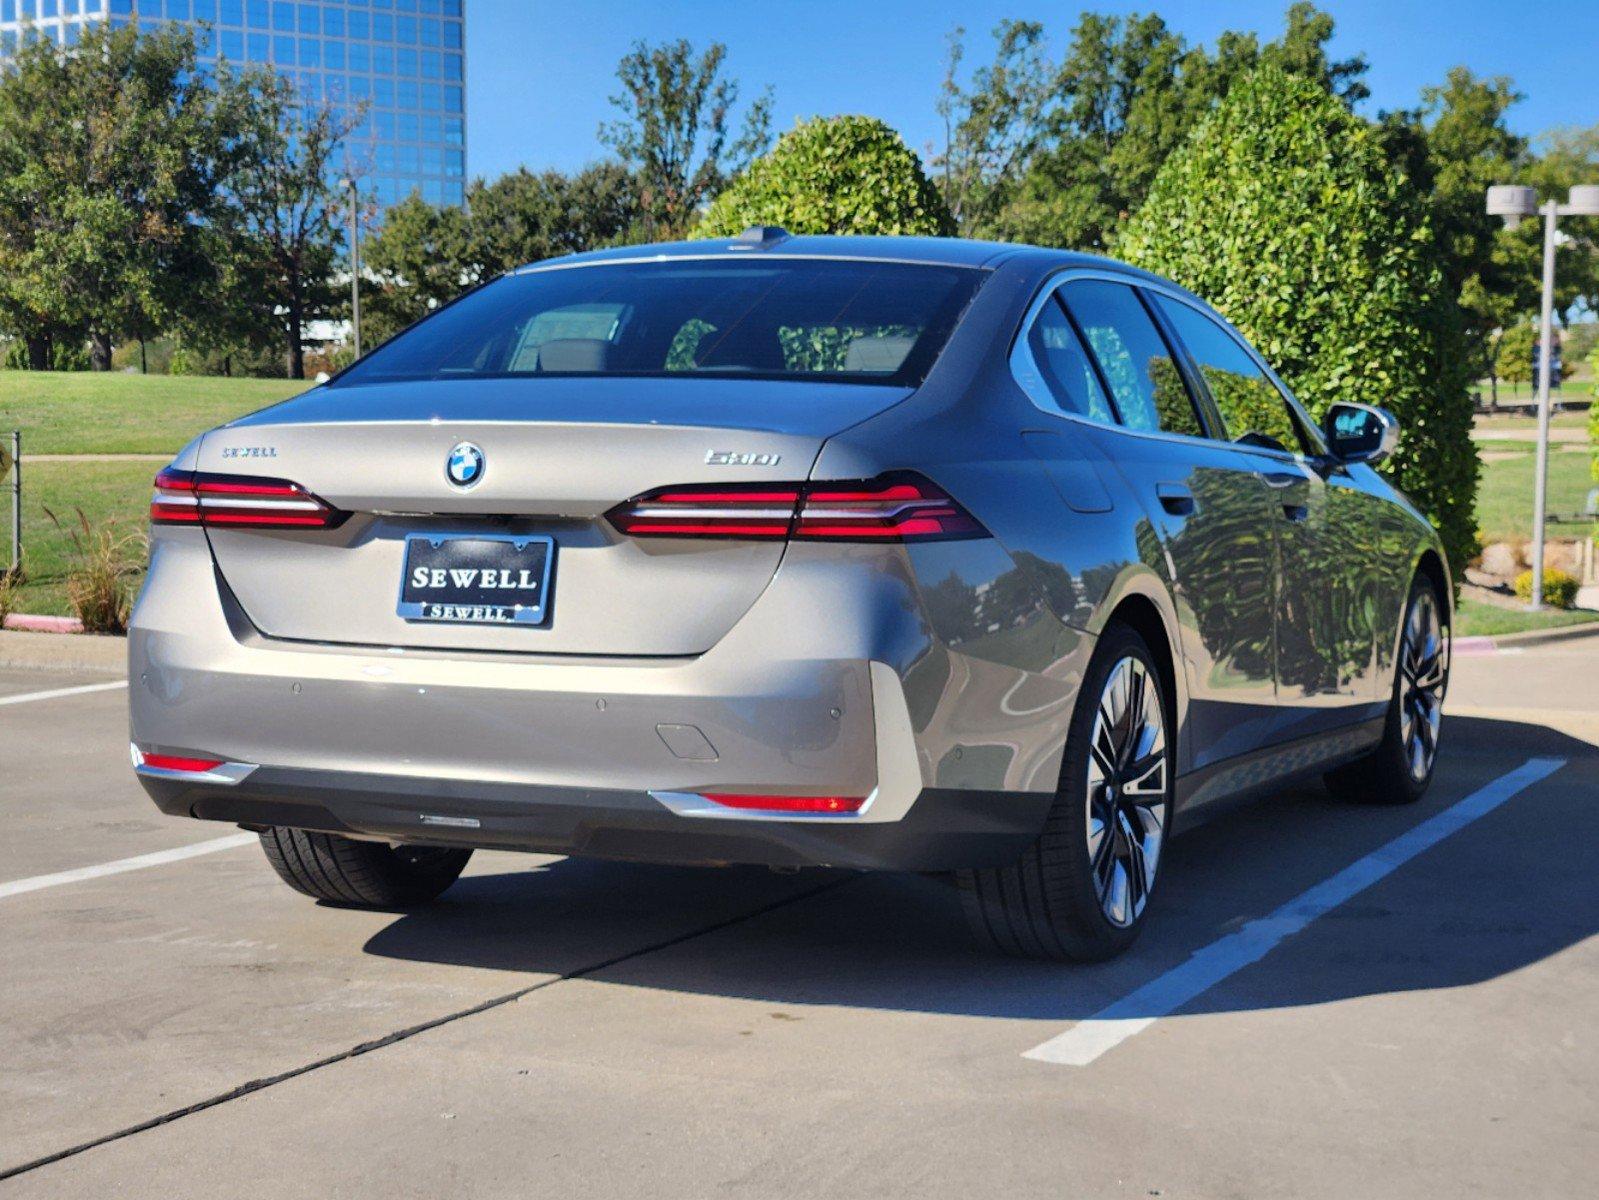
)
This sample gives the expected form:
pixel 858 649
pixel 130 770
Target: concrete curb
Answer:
pixel 30 650
pixel 1532 637
pixel 40 624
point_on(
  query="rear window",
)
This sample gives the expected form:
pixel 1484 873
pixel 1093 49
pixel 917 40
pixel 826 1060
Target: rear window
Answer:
pixel 819 319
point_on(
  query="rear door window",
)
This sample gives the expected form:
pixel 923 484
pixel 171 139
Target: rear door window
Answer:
pixel 1252 410
pixel 1144 378
pixel 1065 366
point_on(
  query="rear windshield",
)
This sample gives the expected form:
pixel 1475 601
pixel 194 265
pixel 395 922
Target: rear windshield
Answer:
pixel 841 319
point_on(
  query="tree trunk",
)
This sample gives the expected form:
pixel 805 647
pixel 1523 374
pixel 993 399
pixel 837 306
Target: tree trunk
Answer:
pixel 39 352
pixel 1493 393
pixel 100 351
pixel 296 329
pixel 144 366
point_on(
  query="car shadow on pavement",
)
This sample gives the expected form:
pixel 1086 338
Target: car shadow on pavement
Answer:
pixel 1506 891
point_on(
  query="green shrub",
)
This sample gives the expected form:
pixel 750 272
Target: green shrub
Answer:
pixel 832 175
pixel 1559 589
pixel 1282 210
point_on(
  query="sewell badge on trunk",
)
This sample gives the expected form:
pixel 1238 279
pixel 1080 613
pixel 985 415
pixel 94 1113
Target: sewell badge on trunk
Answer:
pixel 487 579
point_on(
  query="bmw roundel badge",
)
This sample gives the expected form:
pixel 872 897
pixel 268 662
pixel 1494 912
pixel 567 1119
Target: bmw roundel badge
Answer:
pixel 464 467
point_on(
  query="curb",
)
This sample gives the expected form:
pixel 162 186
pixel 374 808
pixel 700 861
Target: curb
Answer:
pixel 31 650
pixel 1531 637
pixel 39 624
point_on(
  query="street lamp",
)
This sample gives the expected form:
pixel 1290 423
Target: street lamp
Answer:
pixel 355 261
pixel 1513 202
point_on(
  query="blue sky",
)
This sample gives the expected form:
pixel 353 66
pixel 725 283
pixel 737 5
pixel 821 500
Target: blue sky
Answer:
pixel 539 73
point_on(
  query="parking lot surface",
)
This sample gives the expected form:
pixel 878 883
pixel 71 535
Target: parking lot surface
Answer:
pixel 179 1023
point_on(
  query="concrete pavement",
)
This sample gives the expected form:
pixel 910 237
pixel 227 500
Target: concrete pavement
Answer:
pixel 566 1027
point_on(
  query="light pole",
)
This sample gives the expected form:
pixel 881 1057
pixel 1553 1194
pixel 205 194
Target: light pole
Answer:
pixel 1513 202
pixel 355 262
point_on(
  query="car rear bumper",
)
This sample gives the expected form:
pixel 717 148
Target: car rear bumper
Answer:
pixel 956 754
pixel 942 830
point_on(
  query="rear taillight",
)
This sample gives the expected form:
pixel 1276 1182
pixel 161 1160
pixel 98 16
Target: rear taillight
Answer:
pixel 174 762
pixel 203 498
pixel 894 508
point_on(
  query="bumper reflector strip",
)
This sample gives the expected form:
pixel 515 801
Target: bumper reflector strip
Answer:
pixel 796 804
pixel 175 762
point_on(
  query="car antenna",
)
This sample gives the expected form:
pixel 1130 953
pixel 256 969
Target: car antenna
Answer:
pixel 761 237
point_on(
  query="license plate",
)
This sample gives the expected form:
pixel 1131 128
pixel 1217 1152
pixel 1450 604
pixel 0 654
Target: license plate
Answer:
pixel 485 580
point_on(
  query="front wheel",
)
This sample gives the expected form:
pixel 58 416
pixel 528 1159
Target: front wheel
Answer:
pixel 344 871
pixel 1082 890
pixel 1400 768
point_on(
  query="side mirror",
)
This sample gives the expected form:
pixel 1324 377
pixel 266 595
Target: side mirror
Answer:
pixel 1360 433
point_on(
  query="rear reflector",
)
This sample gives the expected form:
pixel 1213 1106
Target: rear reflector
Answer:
pixel 894 508
pixel 794 804
pixel 174 762
pixel 204 498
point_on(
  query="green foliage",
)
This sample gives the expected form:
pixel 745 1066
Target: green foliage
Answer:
pixel 1326 263
pixel 1059 153
pixel 418 261
pixel 1593 417
pixel 849 175
pixel 672 132
pixel 1513 352
pixel 65 355
pixel 1559 588
pixel 110 156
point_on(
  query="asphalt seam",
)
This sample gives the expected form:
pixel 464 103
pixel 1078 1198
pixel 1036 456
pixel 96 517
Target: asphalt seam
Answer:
pixel 401 1035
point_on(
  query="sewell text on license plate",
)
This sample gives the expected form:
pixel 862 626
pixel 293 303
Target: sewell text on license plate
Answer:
pixel 482 579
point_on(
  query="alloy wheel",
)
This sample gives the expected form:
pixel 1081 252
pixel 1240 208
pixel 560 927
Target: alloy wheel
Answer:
pixel 1127 791
pixel 1424 671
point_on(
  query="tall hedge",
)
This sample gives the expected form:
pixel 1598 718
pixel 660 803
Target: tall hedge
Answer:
pixel 1282 210
pixel 832 175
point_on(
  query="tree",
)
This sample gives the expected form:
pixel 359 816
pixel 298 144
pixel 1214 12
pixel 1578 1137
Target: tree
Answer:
pixel 832 175
pixel 1059 155
pixel 280 218
pixel 1327 263
pixel 418 260
pixel 1514 352
pixel 109 161
pixel 673 130
pixel 1452 148
pixel 524 217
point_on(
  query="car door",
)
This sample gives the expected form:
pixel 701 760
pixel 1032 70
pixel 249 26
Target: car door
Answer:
pixel 1324 549
pixel 1209 508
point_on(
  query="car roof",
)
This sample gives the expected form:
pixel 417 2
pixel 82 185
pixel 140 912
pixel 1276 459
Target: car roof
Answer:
pixel 955 252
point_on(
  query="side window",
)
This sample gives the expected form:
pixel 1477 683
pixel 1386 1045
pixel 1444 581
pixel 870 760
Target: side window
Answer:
pixel 1252 409
pixel 1144 380
pixel 1064 364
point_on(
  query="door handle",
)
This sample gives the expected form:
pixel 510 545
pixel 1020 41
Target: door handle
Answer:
pixel 1296 512
pixel 1175 498
pixel 1282 479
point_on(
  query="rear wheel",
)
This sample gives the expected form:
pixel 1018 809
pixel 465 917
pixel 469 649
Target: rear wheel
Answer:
pixel 1082 890
pixel 1400 768
pixel 342 870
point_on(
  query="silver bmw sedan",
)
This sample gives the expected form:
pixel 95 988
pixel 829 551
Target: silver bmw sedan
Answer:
pixel 877 553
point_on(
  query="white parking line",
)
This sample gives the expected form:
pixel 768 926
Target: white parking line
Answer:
pixel 1120 1020
pixel 57 693
pixel 137 863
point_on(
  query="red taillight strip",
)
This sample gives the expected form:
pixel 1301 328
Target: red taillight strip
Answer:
pixel 204 498
pixel 901 507
pixel 174 762
pixel 795 804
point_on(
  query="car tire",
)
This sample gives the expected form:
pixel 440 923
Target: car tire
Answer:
pixel 1400 769
pixel 341 870
pixel 1057 902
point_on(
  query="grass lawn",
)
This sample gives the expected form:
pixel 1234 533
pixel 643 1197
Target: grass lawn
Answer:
pixel 112 495
pixel 87 412
pixel 1504 493
pixel 1475 619
pixel 1561 420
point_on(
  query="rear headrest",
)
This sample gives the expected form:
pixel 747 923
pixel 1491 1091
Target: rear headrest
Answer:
pixel 575 354
pixel 882 355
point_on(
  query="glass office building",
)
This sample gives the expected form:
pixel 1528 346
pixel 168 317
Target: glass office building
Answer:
pixel 403 61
